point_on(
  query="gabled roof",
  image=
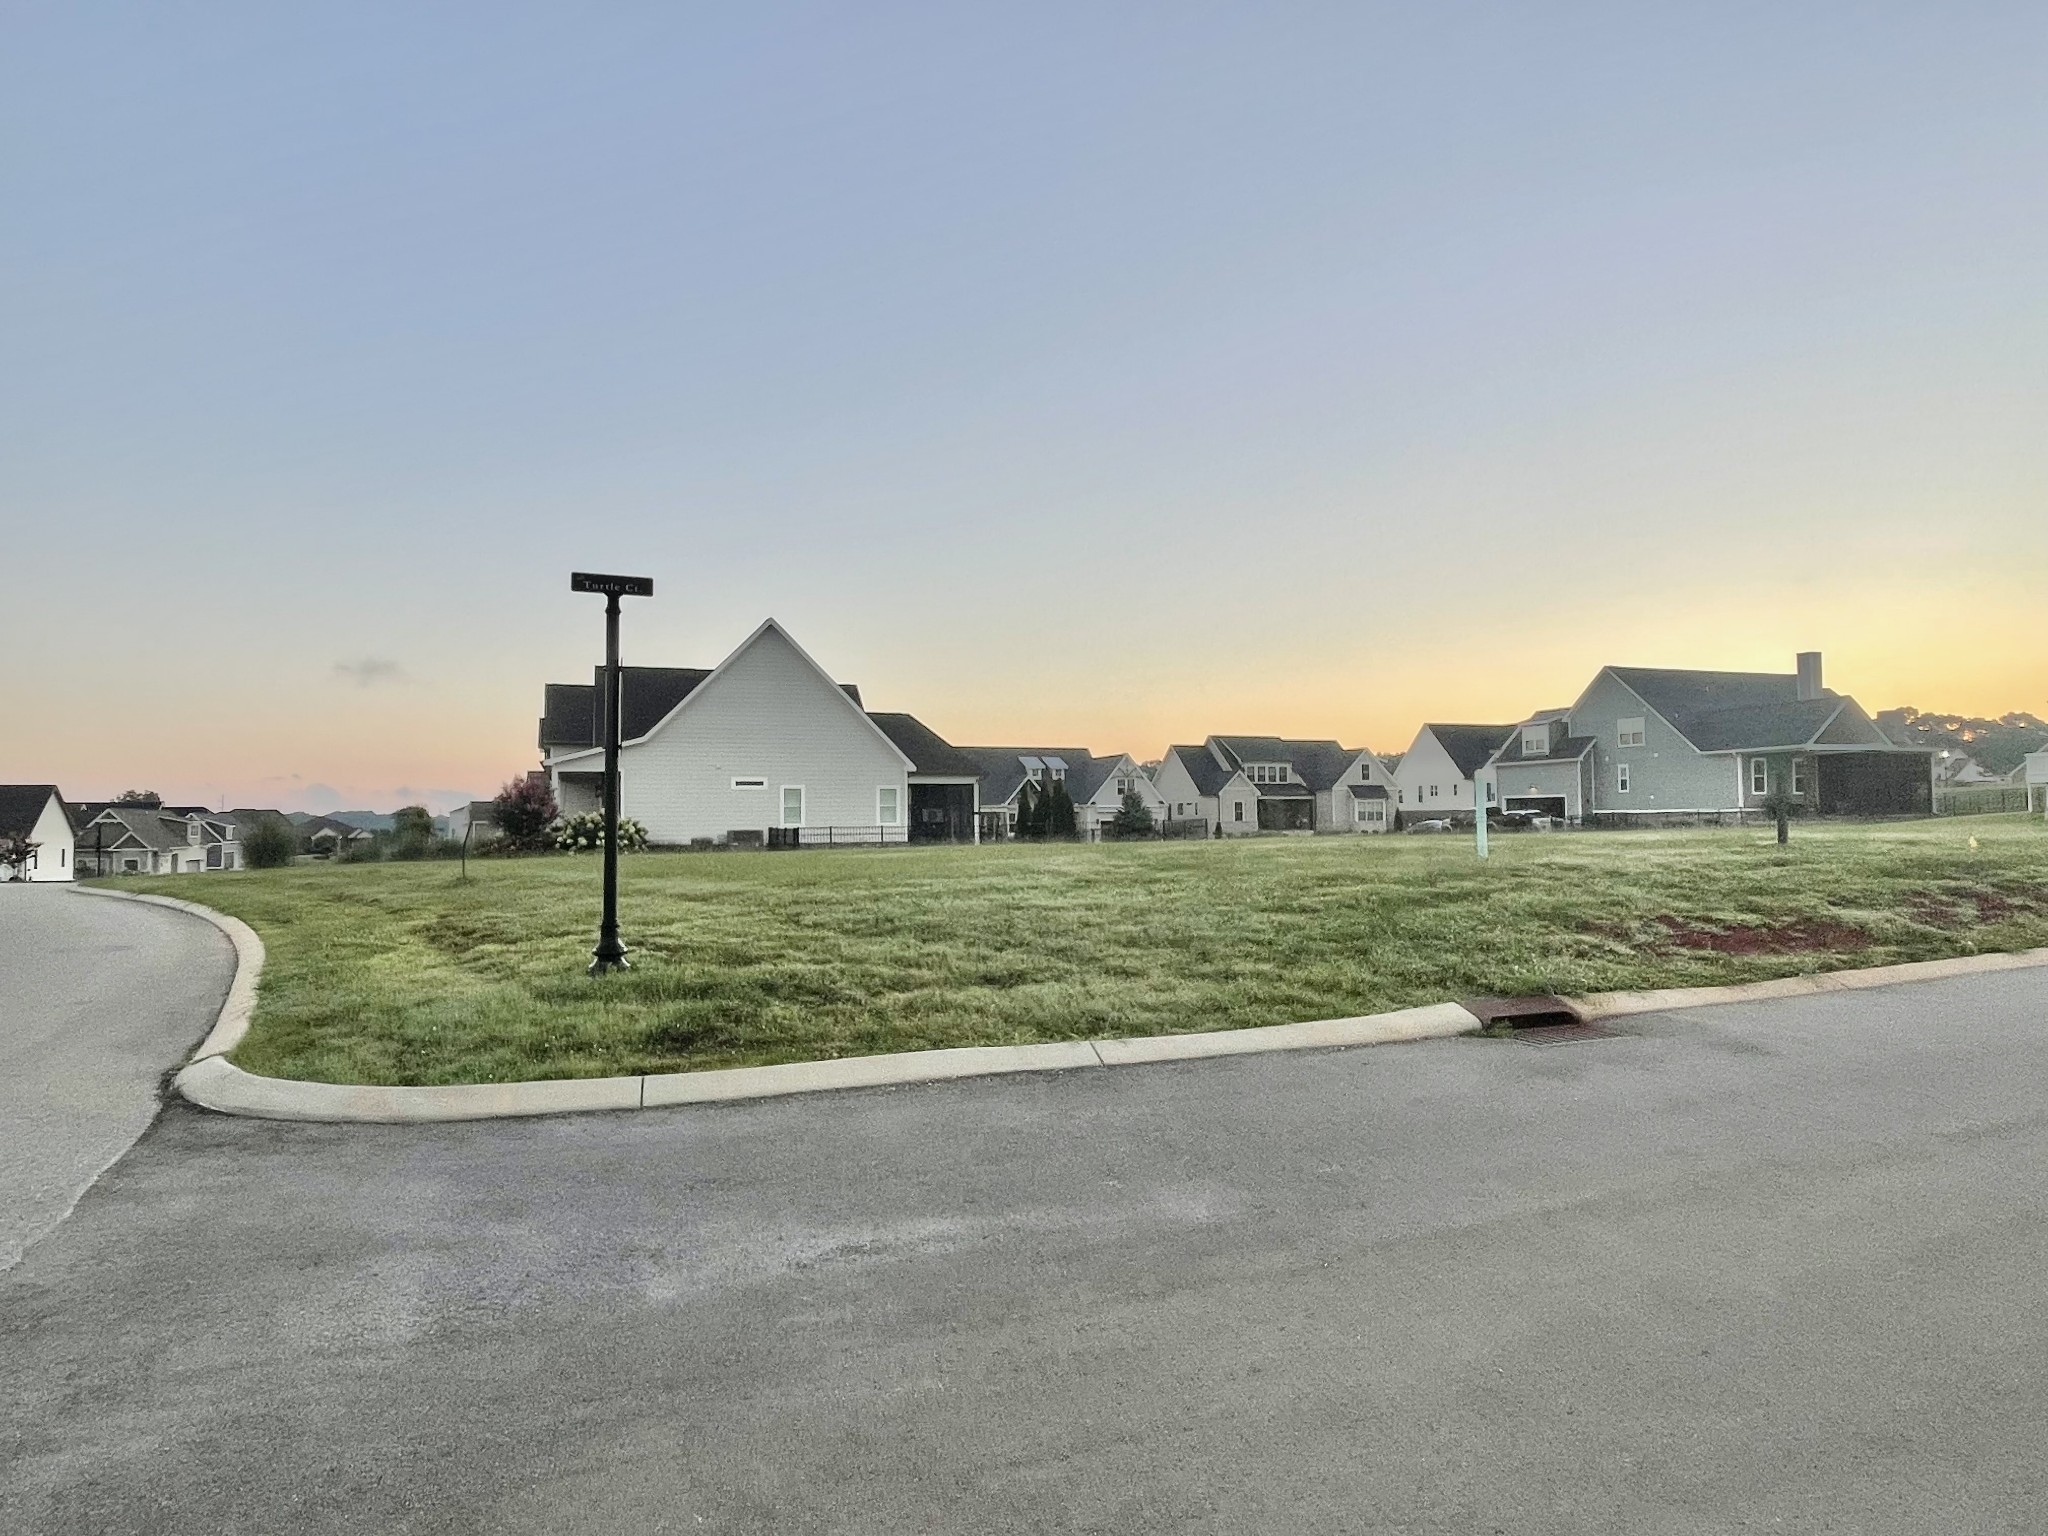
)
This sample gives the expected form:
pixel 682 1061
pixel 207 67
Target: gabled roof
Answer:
pixel 1469 746
pixel 314 826
pixel 1567 749
pixel 1003 770
pixel 1209 775
pixel 572 714
pixel 21 806
pixel 928 751
pixel 1735 711
pixel 149 827
pixel 1318 764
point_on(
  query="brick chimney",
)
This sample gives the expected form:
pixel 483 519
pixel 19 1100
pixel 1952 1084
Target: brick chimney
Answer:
pixel 1809 676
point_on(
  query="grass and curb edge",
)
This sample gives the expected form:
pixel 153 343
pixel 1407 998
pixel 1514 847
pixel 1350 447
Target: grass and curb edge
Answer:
pixel 212 1082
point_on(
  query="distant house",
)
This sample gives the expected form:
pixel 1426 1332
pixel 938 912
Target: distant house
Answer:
pixel 37 812
pixel 1243 785
pixel 2034 774
pixel 133 838
pixel 1660 744
pixel 325 837
pixel 1096 785
pixel 477 821
pixel 1960 769
pixel 764 743
pixel 1441 770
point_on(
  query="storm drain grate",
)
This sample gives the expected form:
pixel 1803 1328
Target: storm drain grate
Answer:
pixel 1534 1020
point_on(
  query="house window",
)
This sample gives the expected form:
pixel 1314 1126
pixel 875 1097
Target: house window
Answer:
pixel 1535 741
pixel 1629 733
pixel 792 805
pixel 1621 778
pixel 63 857
pixel 1124 787
pixel 749 783
pixel 130 865
pixel 1400 797
pixel 1432 791
pixel 1240 809
pixel 1759 776
pixel 1798 775
pixel 886 805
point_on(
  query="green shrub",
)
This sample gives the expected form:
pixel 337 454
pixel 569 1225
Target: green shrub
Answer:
pixel 270 844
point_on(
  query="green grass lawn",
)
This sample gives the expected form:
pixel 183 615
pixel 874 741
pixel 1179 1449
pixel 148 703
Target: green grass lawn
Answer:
pixel 403 973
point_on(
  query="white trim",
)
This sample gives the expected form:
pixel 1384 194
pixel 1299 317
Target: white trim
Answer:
pixel 803 801
pixel 1621 778
pixel 1756 762
pixel 889 789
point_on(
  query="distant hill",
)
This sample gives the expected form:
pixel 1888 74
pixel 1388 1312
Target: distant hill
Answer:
pixel 1998 745
pixel 369 821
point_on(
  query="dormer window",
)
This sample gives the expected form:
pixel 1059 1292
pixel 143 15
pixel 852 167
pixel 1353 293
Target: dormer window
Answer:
pixel 1629 733
pixel 1536 741
pixel 1268 773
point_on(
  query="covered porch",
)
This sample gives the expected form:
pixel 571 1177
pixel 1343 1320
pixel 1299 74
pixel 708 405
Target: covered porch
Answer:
pixel 1873 783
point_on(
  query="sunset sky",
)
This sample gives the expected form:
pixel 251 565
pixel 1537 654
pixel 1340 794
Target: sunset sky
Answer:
pixel 1092 374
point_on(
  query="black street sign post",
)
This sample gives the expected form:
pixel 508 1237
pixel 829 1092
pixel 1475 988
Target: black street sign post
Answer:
pixel 610 954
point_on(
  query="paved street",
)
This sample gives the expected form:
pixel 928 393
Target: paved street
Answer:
pixel 1772 1267
pixel 98 999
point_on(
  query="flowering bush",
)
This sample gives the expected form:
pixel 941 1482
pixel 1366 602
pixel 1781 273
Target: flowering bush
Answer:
pixel 579 834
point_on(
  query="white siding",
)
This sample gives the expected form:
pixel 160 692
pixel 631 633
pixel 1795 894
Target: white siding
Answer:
pixel 1427 765
pixel 766 714
pixel 54 855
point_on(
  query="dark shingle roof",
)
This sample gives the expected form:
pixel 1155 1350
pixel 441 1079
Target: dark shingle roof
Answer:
pixel 572 714
pixel 21 805
pixel 1568 749
pixel 1368 792
pixel 928 751
pixel 1003 773
pixel 1209 775
pixel 1732 711
pixel 1469 746
pixel 1318 764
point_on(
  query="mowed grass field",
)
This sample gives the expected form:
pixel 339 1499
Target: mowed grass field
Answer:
pixel 407 974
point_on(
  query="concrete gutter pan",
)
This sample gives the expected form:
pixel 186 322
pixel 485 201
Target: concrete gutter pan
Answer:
pixel 213 1082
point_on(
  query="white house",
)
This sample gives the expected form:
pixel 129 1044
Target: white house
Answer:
pixel 478 821
pixel 2035 776
pixel 36 813
pixel 761 746
pixel 1442 770
pixel 1246 784
pixel 1096 785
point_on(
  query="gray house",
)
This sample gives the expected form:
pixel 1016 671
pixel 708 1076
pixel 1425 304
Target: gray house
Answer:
pixel 1649 743
pixel 1096 785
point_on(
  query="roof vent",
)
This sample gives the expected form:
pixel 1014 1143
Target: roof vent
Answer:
pixel 1809 676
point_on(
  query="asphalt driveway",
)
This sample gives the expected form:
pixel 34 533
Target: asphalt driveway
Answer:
pixel 1769 1267
pixel 98 999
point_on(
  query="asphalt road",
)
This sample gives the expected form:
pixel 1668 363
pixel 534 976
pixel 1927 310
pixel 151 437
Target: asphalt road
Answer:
pixel 98 999
pixel 1773 1267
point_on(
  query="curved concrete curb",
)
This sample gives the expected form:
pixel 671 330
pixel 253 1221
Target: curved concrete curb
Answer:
pixel 213 1082
pixel 1608 1005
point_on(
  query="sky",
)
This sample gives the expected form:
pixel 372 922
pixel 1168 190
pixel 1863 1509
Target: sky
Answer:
pixel 1102 375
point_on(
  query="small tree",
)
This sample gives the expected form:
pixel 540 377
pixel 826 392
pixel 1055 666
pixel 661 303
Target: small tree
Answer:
pixel 1781 803
pixel 15 852
pixel 1027 811
pixel 1058 816
pixel 526 809
pixel 148 799
pixel 1132 818
pixel 270 844
pixel 412 832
